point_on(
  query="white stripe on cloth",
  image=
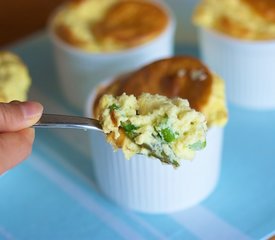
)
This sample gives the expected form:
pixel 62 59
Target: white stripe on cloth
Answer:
pixel 150 229
pixel 205 225
pixel 4 234
pixel 155 232
pixel 68 186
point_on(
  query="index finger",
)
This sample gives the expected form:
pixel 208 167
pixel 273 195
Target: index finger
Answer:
pixel 16 116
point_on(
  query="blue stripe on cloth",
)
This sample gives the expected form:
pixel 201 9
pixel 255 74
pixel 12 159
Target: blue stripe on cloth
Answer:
pixel 162 226
pixel 36 208
pixel 245 194
pixel 70 154
pixel 86 198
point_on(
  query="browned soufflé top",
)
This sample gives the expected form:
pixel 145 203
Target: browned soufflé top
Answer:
pixel 184 77
pixel 110 25
pixel 265 8
pixel 131 22
pixel 252 20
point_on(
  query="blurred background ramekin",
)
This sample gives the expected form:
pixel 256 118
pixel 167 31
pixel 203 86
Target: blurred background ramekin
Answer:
pixel 246 66
pixel 145 184
pixel 80 71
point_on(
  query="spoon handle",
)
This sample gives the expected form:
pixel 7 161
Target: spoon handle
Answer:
pixel 65 121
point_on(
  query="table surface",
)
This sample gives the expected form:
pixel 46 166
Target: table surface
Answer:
pixel 19 18
pixel 52 195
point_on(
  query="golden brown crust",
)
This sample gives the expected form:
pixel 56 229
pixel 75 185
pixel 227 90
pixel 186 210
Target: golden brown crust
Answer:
pixel 131 22
pixel 184 77
pixel 65 33
pixel 228 26
pixel 265 8
pixel 111 25
pixel 256 21
pixel 120 141
pixel 77 2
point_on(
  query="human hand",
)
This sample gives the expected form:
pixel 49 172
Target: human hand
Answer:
pixel 16 136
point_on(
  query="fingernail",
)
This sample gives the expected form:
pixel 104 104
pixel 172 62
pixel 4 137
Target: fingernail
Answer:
pixel 15 102
pixel 31 109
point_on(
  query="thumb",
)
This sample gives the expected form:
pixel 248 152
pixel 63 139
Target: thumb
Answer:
pixel 16 115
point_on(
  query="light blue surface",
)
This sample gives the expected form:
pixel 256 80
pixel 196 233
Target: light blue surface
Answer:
pixel 52 194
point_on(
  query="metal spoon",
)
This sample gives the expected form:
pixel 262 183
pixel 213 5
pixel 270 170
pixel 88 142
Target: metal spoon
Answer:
pixel 65 121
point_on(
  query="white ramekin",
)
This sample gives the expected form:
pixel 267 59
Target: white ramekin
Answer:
pixel 145 184
pixel 248 68
pixel 80 71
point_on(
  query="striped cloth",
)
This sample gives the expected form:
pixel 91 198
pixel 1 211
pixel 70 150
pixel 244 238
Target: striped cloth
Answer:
pixel 52 195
